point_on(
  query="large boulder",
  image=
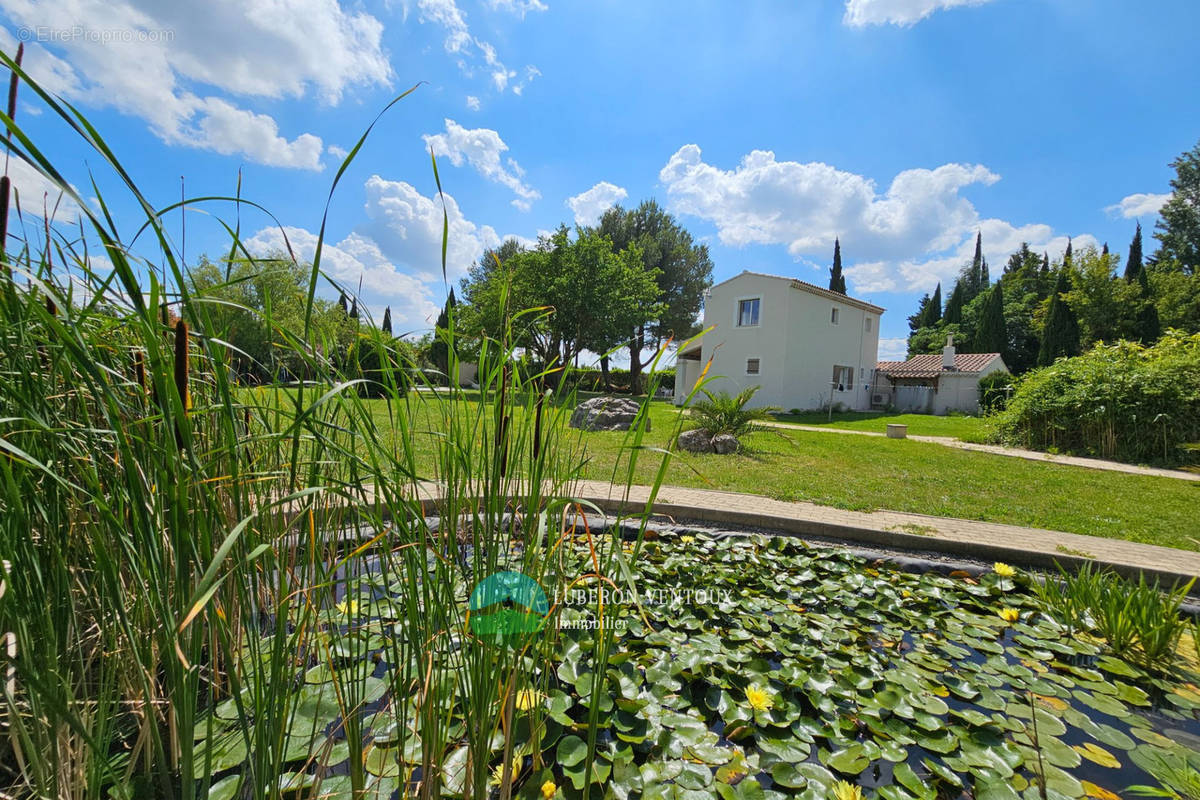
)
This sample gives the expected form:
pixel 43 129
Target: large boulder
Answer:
pixel 606 414
pixel 725 443
pixel 695 441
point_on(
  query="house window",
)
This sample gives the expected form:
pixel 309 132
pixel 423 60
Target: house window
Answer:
pixel 751 366
pixel 868 324
pixel 748 313
pixel 833 317
pixel 843 379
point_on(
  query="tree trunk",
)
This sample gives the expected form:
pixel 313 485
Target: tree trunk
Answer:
pixel 604 374
pixel 635 360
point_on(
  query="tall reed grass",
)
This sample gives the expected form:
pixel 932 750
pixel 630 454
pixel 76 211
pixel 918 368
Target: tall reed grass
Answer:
pixel 181 552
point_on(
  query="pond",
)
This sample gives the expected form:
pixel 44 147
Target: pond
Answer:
pixel 762 667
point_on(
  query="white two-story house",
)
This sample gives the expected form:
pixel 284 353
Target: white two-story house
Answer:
pixel 802 344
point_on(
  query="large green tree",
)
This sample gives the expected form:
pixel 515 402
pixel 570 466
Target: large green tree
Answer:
pixel 1178 228
pixel 255 305
pixel 681 268
pixel 567 295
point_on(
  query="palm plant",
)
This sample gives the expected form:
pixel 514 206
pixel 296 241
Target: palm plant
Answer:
pixel 726 413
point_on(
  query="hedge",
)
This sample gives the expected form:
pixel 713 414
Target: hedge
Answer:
pixel 1123 401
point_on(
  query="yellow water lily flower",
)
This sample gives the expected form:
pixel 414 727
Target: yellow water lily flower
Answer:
pixel 687 539
pixel 348 606
pixel 1003 570
pixel 498 771
pixel 528 699
pixel 549 789
pixel 844 790
pixel 759 699
pixel 1009 615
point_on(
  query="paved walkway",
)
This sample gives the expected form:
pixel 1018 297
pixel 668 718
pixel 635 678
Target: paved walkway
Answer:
pixel 985 541
pixel 1014 452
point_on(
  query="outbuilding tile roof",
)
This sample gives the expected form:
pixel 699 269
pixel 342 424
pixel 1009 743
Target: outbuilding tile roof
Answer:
pixel 929 365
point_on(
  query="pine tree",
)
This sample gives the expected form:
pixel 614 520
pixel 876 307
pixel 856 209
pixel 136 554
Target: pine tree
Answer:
pixel 1147 326
pixel 1133 265
pixel 387 321
pixel 992 336
pixel 954 306
pixel 837 281
pixel 1061 336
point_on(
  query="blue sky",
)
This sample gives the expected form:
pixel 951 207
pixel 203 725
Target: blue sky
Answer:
pixel 902 126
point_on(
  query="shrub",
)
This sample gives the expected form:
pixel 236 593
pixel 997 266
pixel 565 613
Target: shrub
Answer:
pixel 994 389
pixel 1123 401
pixel 726 413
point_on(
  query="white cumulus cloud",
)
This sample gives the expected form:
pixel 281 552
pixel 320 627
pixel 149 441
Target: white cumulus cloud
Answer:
pixel 908 236
pixel 396 252
pixel 590 205
pixel 182 59
pixel 484 150
pixel 1138 205
pixel 860 13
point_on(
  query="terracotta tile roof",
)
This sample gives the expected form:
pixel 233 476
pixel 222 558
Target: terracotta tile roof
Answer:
pixel 929 365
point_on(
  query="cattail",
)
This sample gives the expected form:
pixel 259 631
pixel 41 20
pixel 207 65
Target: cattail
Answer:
pixel 502 426
pixel 181 364
pixel 139 369
pixel 537 427
pixel 12 83
pixel 181 374
pixel 5 183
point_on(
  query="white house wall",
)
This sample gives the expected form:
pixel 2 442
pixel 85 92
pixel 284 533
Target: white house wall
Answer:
pixel 796 344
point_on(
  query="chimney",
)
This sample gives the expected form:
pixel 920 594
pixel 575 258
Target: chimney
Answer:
pixel 948 353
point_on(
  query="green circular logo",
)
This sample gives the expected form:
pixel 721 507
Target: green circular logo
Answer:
pixel 507 607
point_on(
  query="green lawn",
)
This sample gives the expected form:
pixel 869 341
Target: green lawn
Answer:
pixel 866 473
pixel 969 429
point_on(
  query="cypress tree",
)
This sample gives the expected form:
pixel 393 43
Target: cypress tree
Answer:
pixel 354 309
pixel 984 280
pixel 954 306
pixel 342 304
pixel 440 350
pixel 1067 254
pixel 935 306
pixel 1061 337
pixel 919 319
pixel 992 336
pixel 1147 326
pixel 837 281
pixel 387 321
pixel 1104 250
pixel 1043 281
pixel 975 279
pixel 1133 265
